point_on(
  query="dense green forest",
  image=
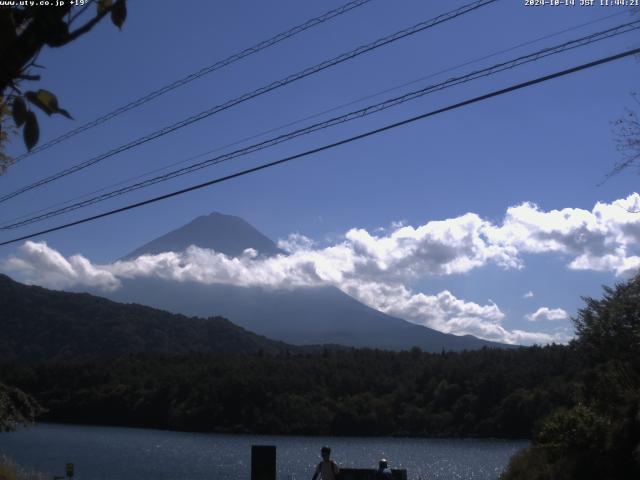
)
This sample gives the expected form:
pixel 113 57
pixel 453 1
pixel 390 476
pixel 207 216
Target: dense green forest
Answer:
pixel 580 403
pixel 490 392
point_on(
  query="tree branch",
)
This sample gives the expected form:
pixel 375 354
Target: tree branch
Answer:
pixel 80 12
pixel 87 26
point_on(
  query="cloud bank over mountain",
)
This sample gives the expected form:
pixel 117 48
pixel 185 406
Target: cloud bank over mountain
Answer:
pixel 378 267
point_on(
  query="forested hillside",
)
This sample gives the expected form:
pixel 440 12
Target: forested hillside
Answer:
pixel 41 324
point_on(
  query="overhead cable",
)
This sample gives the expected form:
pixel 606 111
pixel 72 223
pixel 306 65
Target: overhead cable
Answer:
pixel 309 117
pixel 260 91
pixel 371 109
pixel 330 146
pixel 198 74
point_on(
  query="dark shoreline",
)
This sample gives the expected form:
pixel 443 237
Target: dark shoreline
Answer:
pixel 408 437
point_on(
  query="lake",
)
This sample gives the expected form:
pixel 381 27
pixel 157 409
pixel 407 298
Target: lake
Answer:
pixel 116 453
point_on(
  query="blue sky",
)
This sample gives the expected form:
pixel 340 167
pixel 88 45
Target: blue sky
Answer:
pixel 550 145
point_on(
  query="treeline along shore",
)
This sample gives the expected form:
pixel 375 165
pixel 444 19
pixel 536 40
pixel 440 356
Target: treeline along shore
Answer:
pixel 579 403
pixel 484 393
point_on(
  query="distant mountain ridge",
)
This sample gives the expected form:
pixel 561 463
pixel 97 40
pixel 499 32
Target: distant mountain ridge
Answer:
pixel 302 316
pixel 223 233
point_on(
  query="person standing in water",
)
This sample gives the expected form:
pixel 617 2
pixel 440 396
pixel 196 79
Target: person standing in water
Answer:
pixel 327 469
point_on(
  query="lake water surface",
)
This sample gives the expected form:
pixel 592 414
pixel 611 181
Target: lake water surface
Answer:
pixel 139 454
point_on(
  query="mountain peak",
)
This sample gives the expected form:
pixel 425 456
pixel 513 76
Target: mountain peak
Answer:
pixel 223 233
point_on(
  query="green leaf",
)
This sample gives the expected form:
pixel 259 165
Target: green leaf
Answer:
pixel 119 13
pixel 103 5
pixel 49 99
pixel 31 131
pixel 47 102
pixel 35 99
pixel 19 111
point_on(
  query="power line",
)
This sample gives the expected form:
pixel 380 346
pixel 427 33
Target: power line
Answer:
pixel 272 86
pixel 375 108
pixel 7 223
pixel 200 73
pixel 75 199
pixel 345 141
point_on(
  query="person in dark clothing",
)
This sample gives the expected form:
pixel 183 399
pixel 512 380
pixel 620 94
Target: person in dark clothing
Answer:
pixel 327 469
pixel 383 472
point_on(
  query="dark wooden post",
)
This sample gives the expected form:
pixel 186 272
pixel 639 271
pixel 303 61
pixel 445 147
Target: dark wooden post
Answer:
pixel 263 462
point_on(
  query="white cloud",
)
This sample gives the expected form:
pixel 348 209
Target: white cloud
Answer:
pixel 377 267
pixel 42 265
pixel 335 265
pixel 443 311
pixel 602 239
pixel 529 294
pixel 446 313
pixel 547 314
pixel 295 242
pixel 451 246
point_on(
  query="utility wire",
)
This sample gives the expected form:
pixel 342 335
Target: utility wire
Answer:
pixel 309 117
pixel 492 70
pixel 267 88
pixel 345 141
pixel 195 75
